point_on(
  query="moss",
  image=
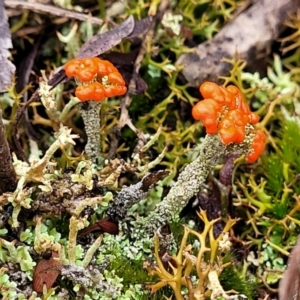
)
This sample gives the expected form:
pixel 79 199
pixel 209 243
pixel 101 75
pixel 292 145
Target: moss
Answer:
pixel 232 278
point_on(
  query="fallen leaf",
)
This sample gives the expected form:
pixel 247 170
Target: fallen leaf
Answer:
pixel 6 66
pixel 46 273
pixel 104 225
pixel 101 43
pixel 149 180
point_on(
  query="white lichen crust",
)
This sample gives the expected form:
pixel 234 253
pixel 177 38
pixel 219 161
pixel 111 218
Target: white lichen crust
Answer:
pixel 90 112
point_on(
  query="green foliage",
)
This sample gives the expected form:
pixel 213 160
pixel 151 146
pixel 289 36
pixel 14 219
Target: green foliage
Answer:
pixel 282 165
pixel 273 169
pixel 245 284
pixel 125 268
pixel 290 147
pixel 7 288
pixel 271 260
pixel 18 255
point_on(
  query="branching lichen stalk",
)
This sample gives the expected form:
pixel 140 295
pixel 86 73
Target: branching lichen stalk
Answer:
pixel 188 185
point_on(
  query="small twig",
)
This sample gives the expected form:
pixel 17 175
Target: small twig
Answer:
pixel 282 251
pixel 19 150
pixel 44 8
pixel 130 195
pixel 23 73
pixel 8 179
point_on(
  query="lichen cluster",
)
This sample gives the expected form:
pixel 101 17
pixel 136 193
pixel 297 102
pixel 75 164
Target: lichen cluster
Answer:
pixel 104 216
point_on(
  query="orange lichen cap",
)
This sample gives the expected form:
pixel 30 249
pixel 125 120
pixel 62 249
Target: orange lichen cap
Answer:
pixel 94 91
pixel 224 111
pixel 99 78
pixel 105 67
pixel 212 90
pixel 116 77
pixel 227 134
pixel 206 108
pixel 258 146
pixel 207 111
pixel 84 69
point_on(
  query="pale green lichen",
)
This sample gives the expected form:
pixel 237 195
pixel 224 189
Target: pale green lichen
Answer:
pixel 48 100
pixel 18 255
pixel 173 22
pixel 7 288
pixel 86 177
pixel 42 240
pixel 35 172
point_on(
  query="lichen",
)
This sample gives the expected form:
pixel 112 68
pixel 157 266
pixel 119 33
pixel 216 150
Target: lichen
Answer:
pixel 85 200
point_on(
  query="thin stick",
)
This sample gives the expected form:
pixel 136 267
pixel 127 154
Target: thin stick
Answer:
pixel 20 112
pixel 8 178
pixel 57 11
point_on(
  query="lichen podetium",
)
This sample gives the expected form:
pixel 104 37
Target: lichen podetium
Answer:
pixel 187 185
pixel 90 113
